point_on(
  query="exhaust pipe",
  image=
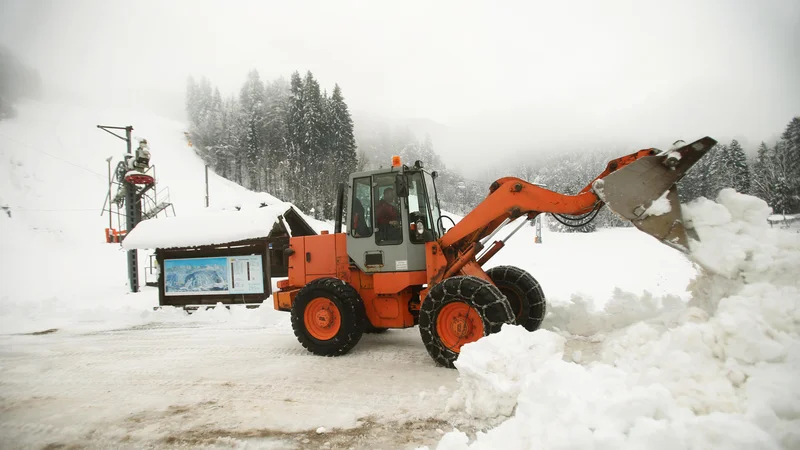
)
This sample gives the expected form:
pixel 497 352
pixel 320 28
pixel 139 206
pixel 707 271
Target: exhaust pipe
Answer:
pixel 645 192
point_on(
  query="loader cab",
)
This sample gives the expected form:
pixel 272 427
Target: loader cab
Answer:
pixel 391 214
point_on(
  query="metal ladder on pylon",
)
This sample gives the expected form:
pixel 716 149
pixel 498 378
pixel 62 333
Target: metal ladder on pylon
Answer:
pixel 151 203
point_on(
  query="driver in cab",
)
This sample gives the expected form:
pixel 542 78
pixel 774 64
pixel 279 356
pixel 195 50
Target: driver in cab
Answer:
pixel 388 216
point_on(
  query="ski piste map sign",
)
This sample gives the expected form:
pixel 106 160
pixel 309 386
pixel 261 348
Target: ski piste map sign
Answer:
pixel 214 275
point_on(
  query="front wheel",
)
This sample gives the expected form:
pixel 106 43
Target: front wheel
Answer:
pixel 328 317
pixel 460 310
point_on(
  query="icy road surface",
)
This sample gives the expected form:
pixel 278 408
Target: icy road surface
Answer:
pixel 191 383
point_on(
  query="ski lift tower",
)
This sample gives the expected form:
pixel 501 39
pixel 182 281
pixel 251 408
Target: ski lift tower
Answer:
pixel 131 213
pixel 136 178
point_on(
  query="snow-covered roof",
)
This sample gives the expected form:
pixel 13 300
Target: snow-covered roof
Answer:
pixel 206 227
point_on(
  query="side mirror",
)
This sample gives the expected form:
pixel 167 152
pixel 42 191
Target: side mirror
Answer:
pixel 401 185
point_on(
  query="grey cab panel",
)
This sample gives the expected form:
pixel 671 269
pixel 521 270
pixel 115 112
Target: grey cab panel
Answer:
pixel 383 227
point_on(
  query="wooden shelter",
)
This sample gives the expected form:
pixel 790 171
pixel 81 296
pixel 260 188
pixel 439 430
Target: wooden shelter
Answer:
pixel 201 270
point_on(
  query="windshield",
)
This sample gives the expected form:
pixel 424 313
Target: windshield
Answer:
pixel 435 213
pixel 419 210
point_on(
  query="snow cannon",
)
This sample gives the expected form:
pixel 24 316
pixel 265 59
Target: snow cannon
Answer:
pixel 645 191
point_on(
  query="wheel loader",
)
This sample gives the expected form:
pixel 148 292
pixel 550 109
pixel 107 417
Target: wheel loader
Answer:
pixel 398 265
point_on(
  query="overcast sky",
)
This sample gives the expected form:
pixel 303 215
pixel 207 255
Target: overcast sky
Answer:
pixel 538 73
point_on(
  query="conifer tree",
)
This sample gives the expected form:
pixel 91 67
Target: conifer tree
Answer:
pixel 341 138
pixel 192 101
pixel 311 146
pixel 296 131
pixel 253 117
pixel 791 147
pixel 791 140
pixel 763 176
pixel 737 168
pixel 276 103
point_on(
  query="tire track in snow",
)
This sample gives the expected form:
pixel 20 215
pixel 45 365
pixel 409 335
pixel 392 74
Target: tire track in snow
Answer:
pixel 374 353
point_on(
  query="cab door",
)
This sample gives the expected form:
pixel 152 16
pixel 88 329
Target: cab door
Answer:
pixel 377 237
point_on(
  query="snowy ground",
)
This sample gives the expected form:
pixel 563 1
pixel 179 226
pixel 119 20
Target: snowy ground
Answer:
pixel 84 363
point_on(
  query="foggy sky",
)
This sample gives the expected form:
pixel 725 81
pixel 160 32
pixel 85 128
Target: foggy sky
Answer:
pixel 501 78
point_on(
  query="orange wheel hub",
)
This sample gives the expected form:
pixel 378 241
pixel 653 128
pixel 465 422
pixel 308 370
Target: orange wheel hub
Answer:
pixel 322 319
pixel 458 324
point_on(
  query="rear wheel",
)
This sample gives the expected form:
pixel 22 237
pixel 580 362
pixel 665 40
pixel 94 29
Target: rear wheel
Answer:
pixel 460 310
pixel 524 293
pixel 328 317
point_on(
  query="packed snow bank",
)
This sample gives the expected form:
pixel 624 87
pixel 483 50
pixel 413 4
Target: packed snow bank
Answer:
pixel 719 374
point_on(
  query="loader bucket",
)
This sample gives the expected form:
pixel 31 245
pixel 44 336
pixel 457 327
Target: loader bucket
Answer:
pixel 645 192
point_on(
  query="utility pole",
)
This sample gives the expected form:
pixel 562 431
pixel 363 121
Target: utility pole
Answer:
pixel 206 185
pixel 133 211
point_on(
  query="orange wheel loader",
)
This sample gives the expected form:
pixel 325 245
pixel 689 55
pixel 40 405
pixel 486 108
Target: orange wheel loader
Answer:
pixel 397 266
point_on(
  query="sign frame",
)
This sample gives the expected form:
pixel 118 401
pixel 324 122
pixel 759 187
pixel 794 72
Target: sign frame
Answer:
pixel 257 248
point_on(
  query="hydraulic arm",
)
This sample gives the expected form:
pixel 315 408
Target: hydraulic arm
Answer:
pixel 628 186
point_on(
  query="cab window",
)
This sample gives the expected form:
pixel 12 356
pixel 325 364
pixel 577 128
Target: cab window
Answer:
pixel 388 220
pixel 361 212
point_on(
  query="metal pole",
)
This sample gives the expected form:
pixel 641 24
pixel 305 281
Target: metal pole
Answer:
pixel 131 209
pixel 110 216
pixel 538 238
pixel 206 185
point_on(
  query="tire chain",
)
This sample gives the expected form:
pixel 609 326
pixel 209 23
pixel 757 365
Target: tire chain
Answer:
pixel 485 297
pixel 531 289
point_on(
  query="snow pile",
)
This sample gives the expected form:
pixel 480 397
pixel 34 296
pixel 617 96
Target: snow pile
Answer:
pixel 736 242
pixel 719 374
pixel 581 317
pixel 493 377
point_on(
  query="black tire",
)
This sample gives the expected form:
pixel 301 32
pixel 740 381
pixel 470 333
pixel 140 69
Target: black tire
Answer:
pixel 351 313
pixel 484 297
pixel 524 293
